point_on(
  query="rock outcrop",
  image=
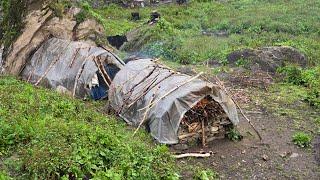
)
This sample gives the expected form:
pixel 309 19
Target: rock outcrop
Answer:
pixel 41 25
pixel 269 58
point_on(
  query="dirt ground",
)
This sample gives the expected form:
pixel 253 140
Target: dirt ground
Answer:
pixel 275 157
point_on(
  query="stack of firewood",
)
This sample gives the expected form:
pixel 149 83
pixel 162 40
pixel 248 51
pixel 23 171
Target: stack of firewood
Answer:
pixel 205 122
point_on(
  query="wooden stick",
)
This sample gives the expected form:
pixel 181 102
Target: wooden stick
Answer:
pixel 240 109
pixel 147 111
pixel 147 90
pixel 74 57
pixel 192 155
pixel 104 70
pixel 172 90
pixel 203 129
pixel 78 76
pixel 109 51
pixel 50 66
pixel 129 93
pixel 187 135
pixel 142 80
pixel 104 79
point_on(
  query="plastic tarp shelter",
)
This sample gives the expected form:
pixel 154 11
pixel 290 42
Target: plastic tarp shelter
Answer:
pixel 140 94
pixel 73 66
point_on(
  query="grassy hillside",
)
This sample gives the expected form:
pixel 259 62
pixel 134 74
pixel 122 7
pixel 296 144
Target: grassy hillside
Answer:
pixel 44 135
pixel 244 23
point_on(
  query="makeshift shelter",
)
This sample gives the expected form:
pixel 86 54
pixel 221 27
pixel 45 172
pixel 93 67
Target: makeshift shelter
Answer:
pixel 76 67
pixel 146 92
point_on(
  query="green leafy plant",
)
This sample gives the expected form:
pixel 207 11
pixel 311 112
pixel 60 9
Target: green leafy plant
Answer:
pixel 207 174
pixel 233 134
pixel 301 139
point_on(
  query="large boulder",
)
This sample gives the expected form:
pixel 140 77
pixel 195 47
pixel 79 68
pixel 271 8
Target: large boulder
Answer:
pixel 269 58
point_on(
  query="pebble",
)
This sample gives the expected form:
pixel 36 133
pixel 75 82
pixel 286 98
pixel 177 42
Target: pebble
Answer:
pixel 294 155
pixel 180 147
pixel 265 157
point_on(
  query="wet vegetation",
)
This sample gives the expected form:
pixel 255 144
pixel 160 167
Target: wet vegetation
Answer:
pixel 11 24
pixel 48 136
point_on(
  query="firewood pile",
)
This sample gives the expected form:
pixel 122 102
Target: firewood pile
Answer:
pixel 205 122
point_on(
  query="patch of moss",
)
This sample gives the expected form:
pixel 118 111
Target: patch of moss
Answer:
pixel 12 22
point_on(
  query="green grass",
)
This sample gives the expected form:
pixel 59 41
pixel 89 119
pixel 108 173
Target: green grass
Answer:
pixel 302 139
pixel 44 135
pixel 289 103
pixel 249 23
pixel 308 78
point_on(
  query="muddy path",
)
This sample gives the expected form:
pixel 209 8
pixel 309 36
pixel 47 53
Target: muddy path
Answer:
pixel 275 157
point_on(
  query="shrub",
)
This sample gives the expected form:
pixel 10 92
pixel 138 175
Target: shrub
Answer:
pixel 205 175
pixel 301 139
pixel 292 74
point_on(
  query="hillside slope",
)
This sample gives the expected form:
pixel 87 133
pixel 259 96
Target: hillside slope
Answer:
pixel 48 136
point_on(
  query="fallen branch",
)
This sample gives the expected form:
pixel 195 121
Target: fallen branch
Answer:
pixel 192 155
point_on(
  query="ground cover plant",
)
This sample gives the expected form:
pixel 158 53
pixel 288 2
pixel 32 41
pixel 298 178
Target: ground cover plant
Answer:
pixel 45 135
pixel 301 139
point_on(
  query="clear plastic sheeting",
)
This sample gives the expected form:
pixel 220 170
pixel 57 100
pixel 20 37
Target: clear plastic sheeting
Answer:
pixel 146 92
pixel 72 65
